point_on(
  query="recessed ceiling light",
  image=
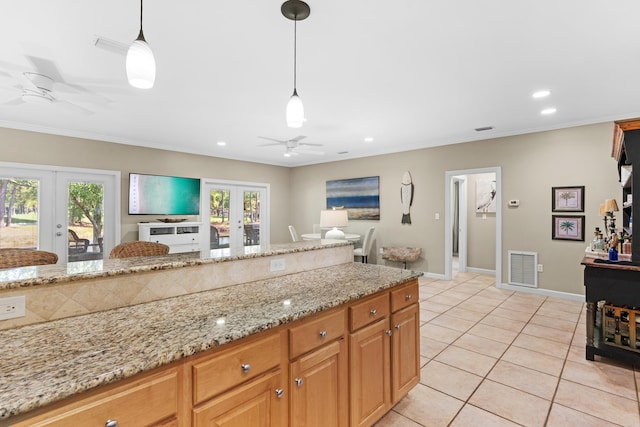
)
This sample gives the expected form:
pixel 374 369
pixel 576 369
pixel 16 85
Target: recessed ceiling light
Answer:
pixel 541 94
pixel 368 139
pixel 547 111
pixel 287 154
pixel 221 143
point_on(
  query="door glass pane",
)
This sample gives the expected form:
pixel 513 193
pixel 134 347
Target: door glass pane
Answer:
pixel 219 219
pixel 85 221
pixel 19 213
pixel 251 218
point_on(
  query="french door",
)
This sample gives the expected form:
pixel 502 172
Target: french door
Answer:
pixel 237 215
pixel 72 212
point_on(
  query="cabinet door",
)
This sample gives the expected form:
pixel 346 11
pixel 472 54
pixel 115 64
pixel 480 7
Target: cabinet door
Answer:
pixel 255 404
pixel 319 388
pixel 369 366
pixel 405 356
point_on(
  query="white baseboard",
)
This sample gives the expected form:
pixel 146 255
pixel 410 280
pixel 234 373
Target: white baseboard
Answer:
pixel 481 271
pixel 434 275
pixel 543 292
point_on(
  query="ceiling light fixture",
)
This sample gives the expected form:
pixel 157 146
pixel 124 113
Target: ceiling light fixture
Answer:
pixel 141 65
pixel 541 94
pixel 368 139
pixel 295 10
pixel 221 143
pixel 548 111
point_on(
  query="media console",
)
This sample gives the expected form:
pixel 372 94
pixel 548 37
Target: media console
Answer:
pixel 180 236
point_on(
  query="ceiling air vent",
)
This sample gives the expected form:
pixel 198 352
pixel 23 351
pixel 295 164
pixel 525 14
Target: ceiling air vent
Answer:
pixel 522 268
pixel 481 129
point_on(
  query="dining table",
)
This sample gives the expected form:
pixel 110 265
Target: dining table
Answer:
pixel 316 236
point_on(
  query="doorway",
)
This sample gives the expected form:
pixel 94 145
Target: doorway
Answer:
pixel 458 179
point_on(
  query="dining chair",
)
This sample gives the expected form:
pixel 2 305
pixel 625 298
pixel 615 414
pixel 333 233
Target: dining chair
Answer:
pixel 294 234
pixel 138 248
pixel 19 257
pixel 367 243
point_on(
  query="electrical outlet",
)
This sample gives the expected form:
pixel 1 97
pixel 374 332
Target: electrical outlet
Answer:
pixel 12 307
pixel 540 268
pixel 277 264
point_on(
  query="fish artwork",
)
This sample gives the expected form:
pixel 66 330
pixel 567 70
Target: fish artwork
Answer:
pixel 406 197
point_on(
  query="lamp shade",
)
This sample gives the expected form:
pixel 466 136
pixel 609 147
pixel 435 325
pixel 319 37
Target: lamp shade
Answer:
pixel 610 205
pixel 334 218
pixel 141 65
pixel 602 211
pixel 295 111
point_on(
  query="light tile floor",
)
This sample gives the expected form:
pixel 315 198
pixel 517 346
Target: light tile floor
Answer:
pixel 493 357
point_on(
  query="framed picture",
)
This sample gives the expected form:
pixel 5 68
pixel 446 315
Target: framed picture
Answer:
pixel 567 227
pixel 359 196
pixel 567 199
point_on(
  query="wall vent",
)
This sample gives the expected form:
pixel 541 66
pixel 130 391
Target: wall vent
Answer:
pixel 522 268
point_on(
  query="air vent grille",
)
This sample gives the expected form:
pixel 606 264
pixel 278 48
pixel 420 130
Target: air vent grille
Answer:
pixel 522 268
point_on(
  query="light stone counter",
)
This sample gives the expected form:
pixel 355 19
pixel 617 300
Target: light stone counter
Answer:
pixel 43 363
pixel 14 278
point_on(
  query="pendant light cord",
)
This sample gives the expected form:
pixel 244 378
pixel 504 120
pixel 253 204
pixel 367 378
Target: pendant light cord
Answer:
pixel 141 35
pixel 295 49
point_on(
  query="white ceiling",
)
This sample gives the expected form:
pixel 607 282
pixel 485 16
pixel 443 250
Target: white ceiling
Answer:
pixel 409 73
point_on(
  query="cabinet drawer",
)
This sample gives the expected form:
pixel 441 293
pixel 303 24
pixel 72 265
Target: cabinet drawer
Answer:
pixel 229 368
pixel 368 311
pixel 404 296
pixel 316 332
pixel 145 402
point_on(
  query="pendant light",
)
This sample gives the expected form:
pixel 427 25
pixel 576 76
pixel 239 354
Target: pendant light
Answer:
pixel 141 65
pixel 296 10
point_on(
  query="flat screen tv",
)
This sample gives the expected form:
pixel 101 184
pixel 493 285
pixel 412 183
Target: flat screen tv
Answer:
pixel 163 195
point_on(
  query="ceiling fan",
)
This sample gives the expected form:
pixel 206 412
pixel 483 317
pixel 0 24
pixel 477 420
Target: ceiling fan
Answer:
pixel 292 146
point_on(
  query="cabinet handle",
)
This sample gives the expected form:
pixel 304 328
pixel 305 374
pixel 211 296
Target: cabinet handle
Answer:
pixel 323 334
pixel 373 312
pixel 245 367
pixel 398 327
pixel 389 332
pixel 279 393
pixel 408 297
pixel 111 423
pixel 299 382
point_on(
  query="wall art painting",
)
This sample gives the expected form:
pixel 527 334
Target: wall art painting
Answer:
pixel 567 199
pixel 359 196
pixel 567 227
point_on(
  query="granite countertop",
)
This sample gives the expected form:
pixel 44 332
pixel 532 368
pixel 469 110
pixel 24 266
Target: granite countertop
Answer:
pixel 13 278
pixel 46 362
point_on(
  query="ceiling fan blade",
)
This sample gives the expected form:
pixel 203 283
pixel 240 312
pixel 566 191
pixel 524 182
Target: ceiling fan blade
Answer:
pixel 46 66
pixel 308 144
pixel 72 107
pixel 298 138
pixel 26 83
pixel 14 101
pixel 270 145
pixel 111 45
pixel 272 139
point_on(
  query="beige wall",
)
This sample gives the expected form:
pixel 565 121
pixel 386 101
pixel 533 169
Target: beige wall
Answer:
pixel 46 149
pixel 531 164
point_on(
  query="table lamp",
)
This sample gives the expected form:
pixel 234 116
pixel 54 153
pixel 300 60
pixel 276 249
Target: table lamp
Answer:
pixel 611 206
pixel 334 219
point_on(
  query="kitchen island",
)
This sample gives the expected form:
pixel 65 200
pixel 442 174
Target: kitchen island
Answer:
pixel 61 360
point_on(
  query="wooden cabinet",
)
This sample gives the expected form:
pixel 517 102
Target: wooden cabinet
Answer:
pixel 384 352
pixel 318 371
pixel 243 385
pixel 258 403
pixel 152 400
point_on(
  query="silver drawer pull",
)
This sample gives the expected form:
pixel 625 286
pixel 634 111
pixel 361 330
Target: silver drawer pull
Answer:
pixel 398 327
pixel 279 393
pixel 111 423
pixel 408 297
pixel 389 332
pixel 245 367
pixel 299 382
pixel 373 312
pixel 323 334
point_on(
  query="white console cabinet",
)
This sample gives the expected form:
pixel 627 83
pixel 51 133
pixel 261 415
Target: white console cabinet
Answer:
pixel 180 236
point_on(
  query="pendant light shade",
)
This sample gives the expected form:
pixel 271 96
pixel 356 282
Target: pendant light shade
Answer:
pixel 295 111
pixel 295 10
pixel 141 65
